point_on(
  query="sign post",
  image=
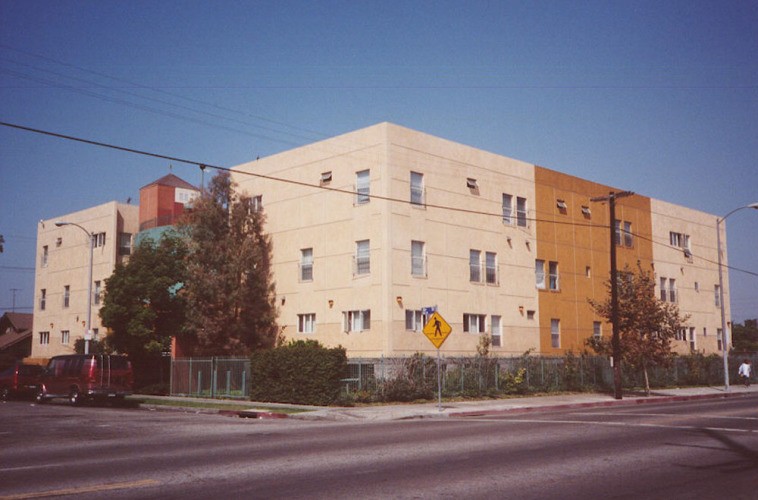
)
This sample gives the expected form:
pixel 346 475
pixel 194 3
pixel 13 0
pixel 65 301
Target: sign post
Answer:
pixel 437 330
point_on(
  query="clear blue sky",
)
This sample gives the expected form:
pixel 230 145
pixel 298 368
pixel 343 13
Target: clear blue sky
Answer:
pixel 657 97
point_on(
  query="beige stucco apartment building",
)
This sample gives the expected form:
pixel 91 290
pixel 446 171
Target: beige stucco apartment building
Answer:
pixel 62 272
pixel 375 228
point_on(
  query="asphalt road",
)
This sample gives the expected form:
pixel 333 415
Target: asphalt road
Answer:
pixel 704 449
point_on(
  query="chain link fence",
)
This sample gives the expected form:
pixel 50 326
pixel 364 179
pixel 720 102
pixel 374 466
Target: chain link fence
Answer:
pixel 415 377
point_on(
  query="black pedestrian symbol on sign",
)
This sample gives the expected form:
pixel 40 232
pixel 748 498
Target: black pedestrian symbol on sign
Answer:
pixel 437 326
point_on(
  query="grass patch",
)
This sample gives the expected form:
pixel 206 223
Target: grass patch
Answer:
pixel 234 406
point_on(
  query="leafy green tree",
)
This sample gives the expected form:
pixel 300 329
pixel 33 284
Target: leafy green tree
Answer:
pixel 142 303
pixel 745 337
pixel 646 324
pixel 230 291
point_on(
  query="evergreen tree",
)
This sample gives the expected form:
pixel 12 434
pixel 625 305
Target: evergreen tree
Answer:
pixel 745 336
pixel 229 290
pixel 646 324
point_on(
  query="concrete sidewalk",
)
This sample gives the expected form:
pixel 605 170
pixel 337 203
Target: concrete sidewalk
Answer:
pixel 519 404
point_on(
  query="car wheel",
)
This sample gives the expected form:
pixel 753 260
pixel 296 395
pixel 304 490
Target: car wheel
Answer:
pixel 5 394
pixel 74 397
pixel 40 397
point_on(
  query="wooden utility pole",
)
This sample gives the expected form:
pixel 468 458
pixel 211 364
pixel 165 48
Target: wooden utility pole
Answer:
pixel 615 339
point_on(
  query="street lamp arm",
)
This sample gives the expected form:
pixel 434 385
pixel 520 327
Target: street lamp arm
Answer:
pixel 65 223
pixel 752 205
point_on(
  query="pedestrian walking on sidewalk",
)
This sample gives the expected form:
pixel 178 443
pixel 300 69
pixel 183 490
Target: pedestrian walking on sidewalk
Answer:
pixel 744 372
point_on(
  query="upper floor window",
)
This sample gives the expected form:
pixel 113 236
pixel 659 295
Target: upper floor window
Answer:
pixel 65 336
pixel 623 231
pixel 362 257
pixel 306 323
pixel 717 295
pixel 44 338
pixel 124 243
pixel 668 289
pixel 417 188
pixel 257 203
pixel 554 283
pixel 474 323
pixel 507 209
pixel 42 299
pixel 495 331
pixel 415 319
pixel 356 321
pixel 597 330
pixel 490 264
pixel 326 178
pixel 306 264
pixel 539 273
pixel 362 187
pixel 98 240
pixel 555 333
pixel 628 237
pixel 97 293
pixel 679 240
pixel 66 295
pixel 521 211
pixel 475 265
pixel 43 257
pixel 418 258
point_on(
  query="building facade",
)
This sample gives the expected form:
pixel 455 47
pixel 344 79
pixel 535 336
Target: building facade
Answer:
pixel 62 272
pixel 374 229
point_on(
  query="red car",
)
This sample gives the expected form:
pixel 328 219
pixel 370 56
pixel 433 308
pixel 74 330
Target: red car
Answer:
pixel 86 376
pixel 20 380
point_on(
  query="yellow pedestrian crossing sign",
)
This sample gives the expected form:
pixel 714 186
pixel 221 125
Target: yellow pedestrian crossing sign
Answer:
pixel 437 329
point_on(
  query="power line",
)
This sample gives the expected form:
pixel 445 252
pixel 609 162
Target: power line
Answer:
pixel 203 165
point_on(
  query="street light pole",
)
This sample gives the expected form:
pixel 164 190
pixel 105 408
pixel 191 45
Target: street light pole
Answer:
pixel 724 336
pixel 87 333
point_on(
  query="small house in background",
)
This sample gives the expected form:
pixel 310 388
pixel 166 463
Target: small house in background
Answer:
pixel 15 337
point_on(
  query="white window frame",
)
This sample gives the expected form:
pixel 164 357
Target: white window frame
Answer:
pixel 490 268
pixel 597 330
pixel 628 236
pixel 97 292
pixel 672 291
pixel 362 259
pixel 42 299
pixel 417 189
pixel 356 321
pixel 44 256
pixel 65 337
pixel 474 323
pixel 554 283
pixel 717 295
pixel 306 323
pixel 44 338
pixel 664 289
pixel 555 333
pixel 539 274
pixel 496 330
pixel 522 210
pixel 66 296
pixel 418 258
pixel 415 320
pixel 475 265
pixel 306 264
pixel 507 209
pixel 362 187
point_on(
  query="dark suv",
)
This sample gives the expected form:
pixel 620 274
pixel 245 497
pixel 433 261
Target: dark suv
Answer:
pixel 80 376
pixel 19 380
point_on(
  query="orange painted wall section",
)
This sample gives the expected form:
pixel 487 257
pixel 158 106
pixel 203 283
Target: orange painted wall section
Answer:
pixel 580 244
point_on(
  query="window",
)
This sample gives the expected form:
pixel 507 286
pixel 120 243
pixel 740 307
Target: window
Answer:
pixel 417 188
pixel 628 238
pixel 672 290
pixel 521 211
pixel 42 299
pixel 555 333
pixel 418 260
pixel 539 273
pixel 717 295
pixel 507 209
pixel 692 338
pixel 256 203
pixel 97 292
pixel 64 336
pixel 496 331
pixel 124 243
pixel 326 178
pixel 475 266
pixel 306 323
pixel 415 319
pixel 617 231
pixel 66 296
pixel 362 187
pixel 553 271
pixel 43 257
pixel 679 240
pixel 681 334
pixel 597 330
pixel 561 204
pixel 473 323
pixel 586 212
pixel 663 289
pixel 490 260
pixel 44 338
pixel 697 287
pixel 362 258
pixel 720 339
pixel 98 240
pixel 306 264
pixel 356 321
